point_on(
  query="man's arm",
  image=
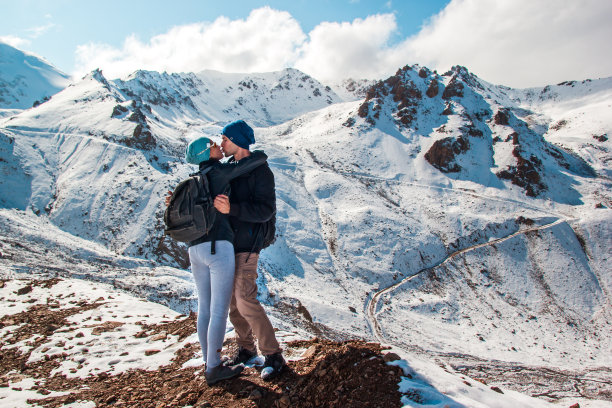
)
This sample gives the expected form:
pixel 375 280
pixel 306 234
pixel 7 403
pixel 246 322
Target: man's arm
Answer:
pixel 260 208
pixel 234 169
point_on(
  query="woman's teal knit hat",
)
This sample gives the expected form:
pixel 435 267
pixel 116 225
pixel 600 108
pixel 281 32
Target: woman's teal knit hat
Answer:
pixel 198 150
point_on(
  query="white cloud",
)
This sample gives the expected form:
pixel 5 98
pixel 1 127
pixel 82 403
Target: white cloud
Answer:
pixel 267 40
pixel 341 50
pixel 519 43
pixel 14 41
pixel 513 42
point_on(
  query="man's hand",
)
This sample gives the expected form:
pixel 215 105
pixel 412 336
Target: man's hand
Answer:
pixel 168 197
pixel 222 204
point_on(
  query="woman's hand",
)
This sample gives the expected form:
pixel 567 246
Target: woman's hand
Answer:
pixel 222 204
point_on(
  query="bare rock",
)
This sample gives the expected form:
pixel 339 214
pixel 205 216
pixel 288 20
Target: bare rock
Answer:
pixel 601 138
pixel 501 117
pixel 448 109
pixel 391 357
pixel 26 289
pixel 106 326
pixel 312 350
pixel 453 89
pixel 161 336
pixel 141 334
pixel 525 174
pixel 432 90
pixel 255 395
pixel 443 152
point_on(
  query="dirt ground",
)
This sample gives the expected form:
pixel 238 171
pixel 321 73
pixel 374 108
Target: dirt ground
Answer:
pixel 329 374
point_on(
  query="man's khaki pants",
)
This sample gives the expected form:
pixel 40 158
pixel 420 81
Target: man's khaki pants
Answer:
pixel 246 313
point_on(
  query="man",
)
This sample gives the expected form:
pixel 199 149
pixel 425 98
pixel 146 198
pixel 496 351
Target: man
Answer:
pixel 252 202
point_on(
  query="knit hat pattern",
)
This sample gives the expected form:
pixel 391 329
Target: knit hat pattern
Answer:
pixel 239 133
pixel 198 150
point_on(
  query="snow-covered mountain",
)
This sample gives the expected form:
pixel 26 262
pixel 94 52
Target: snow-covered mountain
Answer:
pixel 122 139
pixel 453 218
pixel 26 79
pixel 351 89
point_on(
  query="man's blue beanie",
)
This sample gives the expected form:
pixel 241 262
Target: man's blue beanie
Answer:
pixel 198 150
pixel 239 133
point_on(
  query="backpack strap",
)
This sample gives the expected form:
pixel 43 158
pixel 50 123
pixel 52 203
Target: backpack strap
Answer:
pixel 206 170
pixel 258 228
pixel 213 248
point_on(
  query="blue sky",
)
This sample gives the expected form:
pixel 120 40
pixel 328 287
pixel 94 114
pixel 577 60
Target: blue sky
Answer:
pixel 518 43
pixel 55 28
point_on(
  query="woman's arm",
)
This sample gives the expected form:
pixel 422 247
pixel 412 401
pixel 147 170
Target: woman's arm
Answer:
pixel 233 169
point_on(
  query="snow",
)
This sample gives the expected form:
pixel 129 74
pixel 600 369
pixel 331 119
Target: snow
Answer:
pixel 26 78
pixel 20 392
pixel 88 353
pixel 369 233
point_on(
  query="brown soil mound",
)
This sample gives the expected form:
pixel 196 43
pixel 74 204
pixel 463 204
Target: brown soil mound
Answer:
pixel 347 374
pixel 329 374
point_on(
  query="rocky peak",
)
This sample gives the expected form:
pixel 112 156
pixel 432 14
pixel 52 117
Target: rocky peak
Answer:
pixel 458 70
pixel 421 101
pixel 97 75
pixel 161 89
pixel 401 93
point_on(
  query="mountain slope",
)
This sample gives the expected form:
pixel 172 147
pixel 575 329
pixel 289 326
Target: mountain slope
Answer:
pixel 26 79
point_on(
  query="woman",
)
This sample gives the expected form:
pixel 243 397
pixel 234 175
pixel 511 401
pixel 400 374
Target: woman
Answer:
pixel 212 256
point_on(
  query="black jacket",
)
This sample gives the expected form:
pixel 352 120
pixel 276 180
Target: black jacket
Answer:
pixel 219 178
pixel 249 208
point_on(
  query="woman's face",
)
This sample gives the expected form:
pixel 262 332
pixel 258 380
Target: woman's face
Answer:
pixel 215 152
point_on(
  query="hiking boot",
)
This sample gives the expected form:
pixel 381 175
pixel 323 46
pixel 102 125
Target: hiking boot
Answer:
pixel 241 357
pixel 273 366
pixel 222 372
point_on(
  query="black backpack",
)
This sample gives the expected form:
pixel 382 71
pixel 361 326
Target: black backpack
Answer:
pixel 268 228
pixel 269 231
pixel 191 213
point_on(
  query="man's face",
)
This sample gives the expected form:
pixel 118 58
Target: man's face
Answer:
pixel 228 147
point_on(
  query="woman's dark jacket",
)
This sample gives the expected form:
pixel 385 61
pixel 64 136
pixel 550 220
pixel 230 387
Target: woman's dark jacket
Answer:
pixel 252 202
pixel 219 177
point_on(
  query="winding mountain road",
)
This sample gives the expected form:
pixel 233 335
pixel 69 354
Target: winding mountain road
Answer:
pixel 374 299
pixel 549 383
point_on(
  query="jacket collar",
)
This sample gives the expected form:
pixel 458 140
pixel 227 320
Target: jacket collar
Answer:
pixel 208 163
